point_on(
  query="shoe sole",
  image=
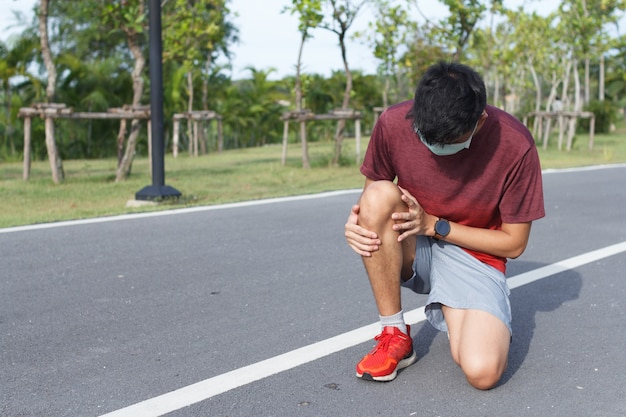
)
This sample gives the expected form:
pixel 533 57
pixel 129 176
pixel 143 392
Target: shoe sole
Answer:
pixel 390 377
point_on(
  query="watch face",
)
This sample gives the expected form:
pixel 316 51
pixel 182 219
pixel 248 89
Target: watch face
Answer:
pixel 442 227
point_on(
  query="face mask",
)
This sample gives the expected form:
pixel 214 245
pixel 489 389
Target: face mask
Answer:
pixel 447 149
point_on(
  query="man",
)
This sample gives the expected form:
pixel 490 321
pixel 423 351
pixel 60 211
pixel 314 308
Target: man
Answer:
pixel 468 187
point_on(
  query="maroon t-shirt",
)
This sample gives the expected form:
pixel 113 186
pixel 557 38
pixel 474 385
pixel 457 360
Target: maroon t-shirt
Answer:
pixel 496 180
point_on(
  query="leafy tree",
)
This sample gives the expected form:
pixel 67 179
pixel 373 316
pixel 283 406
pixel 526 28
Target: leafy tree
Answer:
pixel 455 30
pixel 422 51
pixel 585 21
pixel 93 86
pixel 252 108
pixel 389 35
pixel 14 59
pixel 194 32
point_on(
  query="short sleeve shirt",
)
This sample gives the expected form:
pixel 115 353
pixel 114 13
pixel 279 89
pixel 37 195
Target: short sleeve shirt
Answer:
pixel 496 180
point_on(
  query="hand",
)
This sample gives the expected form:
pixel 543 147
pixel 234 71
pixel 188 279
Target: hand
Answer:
pixel 362 241
pixel 415 221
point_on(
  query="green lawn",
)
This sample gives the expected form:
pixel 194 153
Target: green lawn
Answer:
pixel 89 189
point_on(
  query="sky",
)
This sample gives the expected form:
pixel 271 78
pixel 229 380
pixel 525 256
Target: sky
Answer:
pixel 270 39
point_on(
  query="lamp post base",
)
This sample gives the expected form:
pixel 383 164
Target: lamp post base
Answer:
pixel 157 192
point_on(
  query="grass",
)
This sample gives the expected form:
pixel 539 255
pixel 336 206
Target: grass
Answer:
pixel 89 189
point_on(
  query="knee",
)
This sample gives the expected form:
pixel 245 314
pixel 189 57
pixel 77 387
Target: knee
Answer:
pixel 379 199
pixel 483 373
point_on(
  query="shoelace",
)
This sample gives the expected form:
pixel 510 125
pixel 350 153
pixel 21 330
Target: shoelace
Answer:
pixel 383 339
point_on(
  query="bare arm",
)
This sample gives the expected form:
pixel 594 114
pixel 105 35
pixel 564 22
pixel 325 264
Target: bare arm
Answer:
pixel 509 242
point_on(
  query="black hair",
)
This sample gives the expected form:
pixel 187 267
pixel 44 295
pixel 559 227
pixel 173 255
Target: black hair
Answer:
pixel 449 100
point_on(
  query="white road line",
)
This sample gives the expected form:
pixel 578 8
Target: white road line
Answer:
pixel 241 204
pixel 175 211
pixel 571 263
pixel 211 387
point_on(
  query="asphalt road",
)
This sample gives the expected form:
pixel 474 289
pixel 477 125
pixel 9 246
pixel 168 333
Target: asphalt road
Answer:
pixel 261 309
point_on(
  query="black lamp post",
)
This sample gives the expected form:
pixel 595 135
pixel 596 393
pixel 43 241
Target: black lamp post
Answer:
pixel 158 190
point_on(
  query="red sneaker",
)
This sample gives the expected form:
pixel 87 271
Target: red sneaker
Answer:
pixel 394 351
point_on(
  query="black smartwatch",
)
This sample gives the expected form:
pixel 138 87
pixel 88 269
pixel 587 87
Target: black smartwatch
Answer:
pixel 442 228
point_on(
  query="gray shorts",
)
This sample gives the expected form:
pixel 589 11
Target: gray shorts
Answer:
pixel 452 277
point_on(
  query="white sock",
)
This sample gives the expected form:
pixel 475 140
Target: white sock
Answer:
pixel 396 320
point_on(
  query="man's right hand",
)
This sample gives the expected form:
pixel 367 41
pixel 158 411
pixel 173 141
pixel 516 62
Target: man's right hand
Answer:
pixel 362 241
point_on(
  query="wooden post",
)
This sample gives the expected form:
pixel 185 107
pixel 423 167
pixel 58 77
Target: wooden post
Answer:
pixel 592 128
pixel 195 138
pixel 203 137
pixel 546 135
pixel 571 131
pixel 220 136
pixel 53 153
pixel 357 134
pixel 175 139
pixel 561 130
pixel 27 134
pixel 283 159
pixel 305 151
pixel 539 123
pixel 377 112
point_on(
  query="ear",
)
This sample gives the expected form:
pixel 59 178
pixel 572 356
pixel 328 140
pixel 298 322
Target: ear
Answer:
pixel 482 119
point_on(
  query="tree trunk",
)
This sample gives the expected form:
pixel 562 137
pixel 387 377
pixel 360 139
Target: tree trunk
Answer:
pixel 303 140
pixel 496 91
pixel 551 108
pixel 124 168
pixel 205 83
pixel 8 133
pixel 56 165
pixel 53 154
pixel 587 82
pixel 386 92
pixel 121 134
pixel 341 124
pixel 193 134
pixel 537 125
pixel 601 82
pixel 577 107
pixel 568 68
pixel 205 106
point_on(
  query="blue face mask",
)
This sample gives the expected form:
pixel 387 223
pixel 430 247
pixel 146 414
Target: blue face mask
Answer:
pixel 447 149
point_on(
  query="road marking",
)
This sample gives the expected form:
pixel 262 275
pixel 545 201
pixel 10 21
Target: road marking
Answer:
pixel 241 204
pixel 195 209
pixel 220 384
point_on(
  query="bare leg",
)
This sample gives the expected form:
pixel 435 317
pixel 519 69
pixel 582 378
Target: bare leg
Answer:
pixel 393 260
pixel 479 344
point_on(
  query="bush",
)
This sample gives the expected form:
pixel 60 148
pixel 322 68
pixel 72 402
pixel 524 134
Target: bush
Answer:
pixel 606 114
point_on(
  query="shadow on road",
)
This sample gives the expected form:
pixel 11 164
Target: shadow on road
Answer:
pixel 545 295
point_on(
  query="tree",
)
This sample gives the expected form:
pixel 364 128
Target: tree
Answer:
pixel 53 154
pixel 388 35
pixel 194 31
pixel 456 29
pixel 586 21
pixel 252 109
pixel 129 16
pixel 309 17
pixel 343 15
pixel 14 59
